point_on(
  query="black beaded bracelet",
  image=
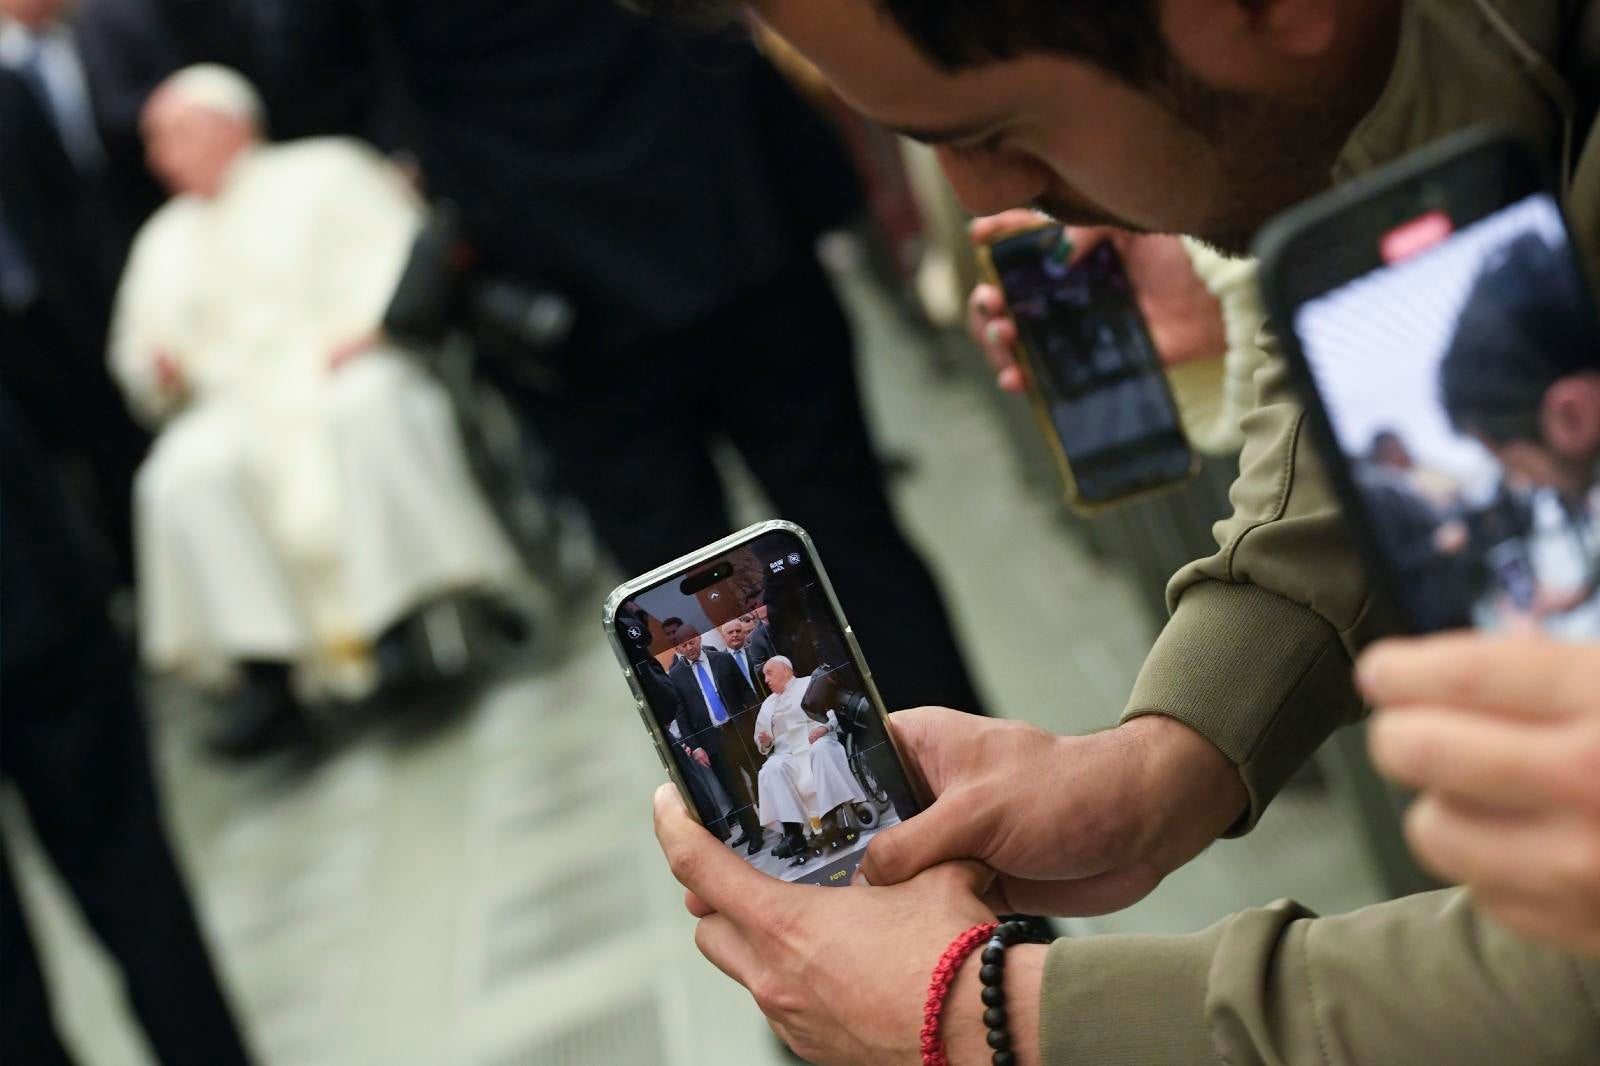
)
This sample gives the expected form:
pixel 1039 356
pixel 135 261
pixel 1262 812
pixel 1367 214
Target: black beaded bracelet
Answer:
pixel 993 976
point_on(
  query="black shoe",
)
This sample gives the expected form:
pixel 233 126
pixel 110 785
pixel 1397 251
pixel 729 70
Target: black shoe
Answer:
pixel 262 717
pixel 756 840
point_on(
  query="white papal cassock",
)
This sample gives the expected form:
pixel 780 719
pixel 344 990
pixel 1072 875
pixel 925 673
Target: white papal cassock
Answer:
pixel 801 780
pixel 289 510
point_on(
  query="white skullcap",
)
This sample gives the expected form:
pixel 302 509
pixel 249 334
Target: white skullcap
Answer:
pixel 784 659
pixel 218 88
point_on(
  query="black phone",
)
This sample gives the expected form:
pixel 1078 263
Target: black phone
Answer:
pixel 1445 337
pixel 1092 371
pixel 760 705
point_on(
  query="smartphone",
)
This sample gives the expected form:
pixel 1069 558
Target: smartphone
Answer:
pixel 760 706
pixel 1445 337
pixel 1092 372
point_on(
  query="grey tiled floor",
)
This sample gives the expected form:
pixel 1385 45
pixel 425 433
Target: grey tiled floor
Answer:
pixel 490 893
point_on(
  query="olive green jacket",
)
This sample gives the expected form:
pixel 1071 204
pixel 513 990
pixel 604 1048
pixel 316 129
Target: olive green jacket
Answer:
pixel 1257 658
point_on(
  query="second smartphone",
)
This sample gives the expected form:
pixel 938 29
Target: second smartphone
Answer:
pixel 760 705
pixel 1447 342
pixel 1092 370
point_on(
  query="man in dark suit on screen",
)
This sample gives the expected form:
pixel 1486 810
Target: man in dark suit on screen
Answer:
pixel 717 705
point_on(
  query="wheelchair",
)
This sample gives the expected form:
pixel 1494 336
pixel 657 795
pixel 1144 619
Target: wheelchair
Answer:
pixel 440 314
pixel 853 711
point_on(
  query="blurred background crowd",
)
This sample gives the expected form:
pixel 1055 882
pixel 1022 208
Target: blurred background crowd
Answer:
pixel 352 350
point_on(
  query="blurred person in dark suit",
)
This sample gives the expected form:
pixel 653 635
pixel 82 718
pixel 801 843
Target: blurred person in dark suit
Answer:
pixel 64 247
pixel 72 743
pixel 716 702
pixel 673 194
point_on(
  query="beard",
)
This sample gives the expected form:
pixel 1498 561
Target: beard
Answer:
pixel 1272 151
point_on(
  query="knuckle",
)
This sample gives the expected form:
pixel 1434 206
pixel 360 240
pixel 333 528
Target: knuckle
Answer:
pixel 781 927
pixel 773 997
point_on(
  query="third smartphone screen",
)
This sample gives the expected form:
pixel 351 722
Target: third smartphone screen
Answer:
pixel 1463 386
pixel 1097 367
pixel 765 711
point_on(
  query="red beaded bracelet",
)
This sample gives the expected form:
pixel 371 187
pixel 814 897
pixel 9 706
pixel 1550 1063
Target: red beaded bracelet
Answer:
pixel 939 987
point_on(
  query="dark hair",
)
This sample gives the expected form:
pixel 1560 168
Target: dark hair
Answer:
pixel 1515 338
pixel 1121 36
pixel 668 625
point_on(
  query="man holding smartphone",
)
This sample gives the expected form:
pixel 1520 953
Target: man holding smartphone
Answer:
pixel 1204 117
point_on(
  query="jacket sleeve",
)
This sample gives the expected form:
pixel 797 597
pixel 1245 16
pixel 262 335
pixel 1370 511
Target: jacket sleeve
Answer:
pixel 1418 980
pixel 1257 654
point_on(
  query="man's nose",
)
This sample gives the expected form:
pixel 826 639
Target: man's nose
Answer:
pixel 988 183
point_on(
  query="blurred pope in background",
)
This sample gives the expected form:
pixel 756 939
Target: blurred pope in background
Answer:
pixel 308 488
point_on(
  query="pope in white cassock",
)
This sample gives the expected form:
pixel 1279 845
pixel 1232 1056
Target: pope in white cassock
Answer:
pixel 308 489
pixel 807 773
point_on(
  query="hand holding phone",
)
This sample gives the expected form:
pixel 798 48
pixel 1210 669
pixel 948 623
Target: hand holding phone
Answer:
pixel 1089 364
pixel 741 652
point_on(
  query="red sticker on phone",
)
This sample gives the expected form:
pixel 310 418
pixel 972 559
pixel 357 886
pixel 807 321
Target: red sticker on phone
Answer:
pixel 1416 236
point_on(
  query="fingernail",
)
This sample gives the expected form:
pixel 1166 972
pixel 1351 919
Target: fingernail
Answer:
pixel 1369 669
pixel 991 333
pixel 860 878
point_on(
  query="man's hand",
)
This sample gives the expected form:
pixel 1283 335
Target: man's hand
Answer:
pixel 763 740
pixel 1073 825
pixel 702 758
pixel 842 973
pixel 1501 738
pixel 818 733
pixel 1185 319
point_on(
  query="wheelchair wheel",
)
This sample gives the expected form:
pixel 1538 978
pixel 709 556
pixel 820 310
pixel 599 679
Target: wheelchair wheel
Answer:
pixel 868 780
pixel 866 815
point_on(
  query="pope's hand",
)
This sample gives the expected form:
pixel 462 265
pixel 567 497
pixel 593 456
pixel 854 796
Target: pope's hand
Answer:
pixel 169 375
pixel 818 733
pixel 1184 318
pixel 841 973
pixel 1501 738
pixel 1073 825
pixel 343 353
pixel 701 757
pixel 764 739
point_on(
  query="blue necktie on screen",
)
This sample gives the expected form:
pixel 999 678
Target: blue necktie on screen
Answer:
pixel 719 713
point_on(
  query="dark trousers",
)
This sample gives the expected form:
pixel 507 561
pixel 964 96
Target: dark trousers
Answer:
pixel 74 746
pixel 774 375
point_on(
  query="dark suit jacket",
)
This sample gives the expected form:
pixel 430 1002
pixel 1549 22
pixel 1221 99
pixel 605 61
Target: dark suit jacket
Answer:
pixel 55 363
pixel 757 653
pixel 652 204
pixel 737 695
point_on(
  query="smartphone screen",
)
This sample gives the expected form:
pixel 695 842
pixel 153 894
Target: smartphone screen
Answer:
pixel 763 711
pixel 1460 378
pixel 1095 364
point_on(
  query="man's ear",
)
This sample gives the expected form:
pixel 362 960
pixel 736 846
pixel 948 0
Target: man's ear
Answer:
pixel 1301 28
pixel 1570 416
pixel 1251 44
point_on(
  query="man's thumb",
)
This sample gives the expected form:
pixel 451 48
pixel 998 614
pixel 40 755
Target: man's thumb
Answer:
pixel 943 832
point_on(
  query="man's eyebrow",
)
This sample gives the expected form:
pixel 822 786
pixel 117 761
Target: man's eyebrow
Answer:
pixel 931 137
